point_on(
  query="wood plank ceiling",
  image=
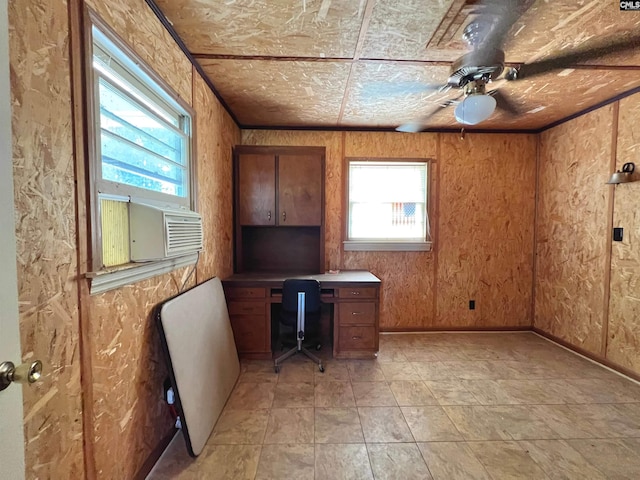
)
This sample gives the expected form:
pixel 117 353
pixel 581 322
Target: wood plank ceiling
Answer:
pixel 356 63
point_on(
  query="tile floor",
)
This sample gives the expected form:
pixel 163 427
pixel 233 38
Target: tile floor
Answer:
pixel 441 406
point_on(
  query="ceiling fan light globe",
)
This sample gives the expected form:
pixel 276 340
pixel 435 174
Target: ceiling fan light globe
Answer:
pixel 475 109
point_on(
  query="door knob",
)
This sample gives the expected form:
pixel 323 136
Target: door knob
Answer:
pixel 24 373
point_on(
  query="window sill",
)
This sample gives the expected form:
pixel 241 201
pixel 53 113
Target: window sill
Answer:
pixel 104 281
pixel 385 246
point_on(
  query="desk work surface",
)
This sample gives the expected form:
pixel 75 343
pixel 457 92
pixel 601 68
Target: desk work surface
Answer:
pixel 353 298
pixel 325 279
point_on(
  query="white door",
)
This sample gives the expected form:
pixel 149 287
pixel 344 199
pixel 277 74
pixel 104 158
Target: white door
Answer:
pixel 11 429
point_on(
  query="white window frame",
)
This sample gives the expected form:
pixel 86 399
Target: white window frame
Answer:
pixel 388 244
pixel 151 84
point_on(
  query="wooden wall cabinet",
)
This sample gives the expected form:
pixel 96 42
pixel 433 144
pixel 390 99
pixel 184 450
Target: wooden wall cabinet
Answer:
pixel 279 202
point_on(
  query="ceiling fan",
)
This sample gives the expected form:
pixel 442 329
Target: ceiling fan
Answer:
pixel 471 73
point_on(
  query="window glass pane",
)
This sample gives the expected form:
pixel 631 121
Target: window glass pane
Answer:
pixel 387 201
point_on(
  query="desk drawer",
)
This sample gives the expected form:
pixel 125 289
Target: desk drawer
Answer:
pixel 250 333
pixel 245 292
pixel 357 292
pixel 357 313
pixel 247 308
pixel 357 338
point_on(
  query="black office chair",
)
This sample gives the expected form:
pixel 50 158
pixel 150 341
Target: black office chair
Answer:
pixel 300 304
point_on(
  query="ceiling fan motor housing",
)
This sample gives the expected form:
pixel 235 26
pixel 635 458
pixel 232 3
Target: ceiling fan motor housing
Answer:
pixel 481 64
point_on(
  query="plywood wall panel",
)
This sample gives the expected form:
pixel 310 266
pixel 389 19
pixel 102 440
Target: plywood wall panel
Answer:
pixel 139 27
pixel 407 294
pixel 572 235
pixel 217 134
pixel 332 141
pixel 46 235
pixel 485 230
pixel 623 346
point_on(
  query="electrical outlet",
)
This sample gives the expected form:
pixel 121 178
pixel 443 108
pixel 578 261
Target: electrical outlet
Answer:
pixel 472 304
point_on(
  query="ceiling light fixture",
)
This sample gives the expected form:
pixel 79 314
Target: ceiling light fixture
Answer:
pixel 475 108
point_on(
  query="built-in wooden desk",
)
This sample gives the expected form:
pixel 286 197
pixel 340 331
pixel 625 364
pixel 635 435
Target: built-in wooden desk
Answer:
pixel 353 294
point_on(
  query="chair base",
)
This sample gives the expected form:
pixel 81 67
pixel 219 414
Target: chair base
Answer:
pixel 297 349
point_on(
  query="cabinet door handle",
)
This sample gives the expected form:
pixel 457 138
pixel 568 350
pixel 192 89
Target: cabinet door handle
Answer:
pixel 269 215
pixel 284 216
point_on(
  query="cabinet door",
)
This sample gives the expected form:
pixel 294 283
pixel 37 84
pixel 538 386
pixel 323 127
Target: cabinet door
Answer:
pixel 257 189
pixel 299 190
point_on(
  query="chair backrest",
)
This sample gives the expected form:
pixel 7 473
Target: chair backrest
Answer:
pixel 290 289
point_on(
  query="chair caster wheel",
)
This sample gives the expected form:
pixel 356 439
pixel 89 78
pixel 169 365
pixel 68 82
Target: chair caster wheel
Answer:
pixel 276 369
pixel 321 368
pixel 318 347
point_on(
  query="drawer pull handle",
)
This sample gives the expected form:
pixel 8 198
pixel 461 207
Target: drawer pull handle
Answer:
pixel 357 313
pixel 356 337
pixel 269 215
pixel 355 293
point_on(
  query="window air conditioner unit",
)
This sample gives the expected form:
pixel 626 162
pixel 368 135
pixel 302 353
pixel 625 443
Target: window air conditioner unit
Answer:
pixel 156 233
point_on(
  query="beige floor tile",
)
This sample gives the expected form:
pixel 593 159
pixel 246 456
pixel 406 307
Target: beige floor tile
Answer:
pixel 286 461
pixel 334 371
pixel 391 355
pixel 342 462
pixel 507 461
pixel 617 459
pixel 394 461
pixel 399 371
pixel 476 423
pixel 384 425
pixel 216 462
pixel 430 424
pixel 534 392
pixel 433 370
pixel 373 394
pixel 251 396
pixel 568 422
pixel 521 422
pixel 600 390
pixel 452 461
pixel 236 427
pixel 257 371
pixel 334 394
pixel 293 395
pixel 290 425
pixel 297 370
pixel 338 425
pixel 489 392
pixel 365 371
pixel 560 461
pixel 421 355
pixel 451 392
pixel 412 393
pixel 610 420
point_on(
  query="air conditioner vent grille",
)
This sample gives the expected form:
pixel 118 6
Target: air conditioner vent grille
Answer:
pixel 184 233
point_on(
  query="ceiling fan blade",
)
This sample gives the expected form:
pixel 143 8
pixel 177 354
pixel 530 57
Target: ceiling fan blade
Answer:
pixel 501 15
pixel 384 89
pixel 574 57
pixel 419 125
pixel 504 103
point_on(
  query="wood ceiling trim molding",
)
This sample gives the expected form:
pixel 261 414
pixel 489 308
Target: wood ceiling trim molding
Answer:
pixel 169 27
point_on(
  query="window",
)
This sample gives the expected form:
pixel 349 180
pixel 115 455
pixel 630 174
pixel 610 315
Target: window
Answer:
pixel 141 152
pixel 387 205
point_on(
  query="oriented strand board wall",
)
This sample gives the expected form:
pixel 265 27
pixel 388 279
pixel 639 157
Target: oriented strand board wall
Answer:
pixel 572 236
pixel 408 278
pixel 46 235
pixel 217 134
pixel 130 416
pixel 139 27
pixel 623 345
pixel 487 207
pixel 477 253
